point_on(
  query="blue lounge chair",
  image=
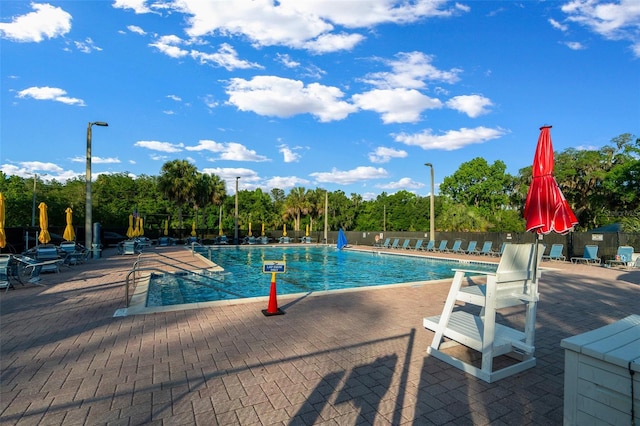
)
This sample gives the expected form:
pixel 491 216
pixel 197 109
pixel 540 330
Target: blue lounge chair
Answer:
pixel 387 243
pixel 443 246
pixel 430 246
pixel 418 245
pixel 395 243
pixel 589 256
pixel 457 244
pixel 486 248
pixel 499 252
pixel 555 253
pixel 405 245
pixel 624 257
pixel 46 253
pixel 471 247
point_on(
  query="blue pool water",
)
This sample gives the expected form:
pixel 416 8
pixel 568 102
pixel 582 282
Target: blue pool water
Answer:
pixel 308 269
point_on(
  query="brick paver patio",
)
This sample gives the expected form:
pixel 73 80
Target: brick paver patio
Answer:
pixel 337 359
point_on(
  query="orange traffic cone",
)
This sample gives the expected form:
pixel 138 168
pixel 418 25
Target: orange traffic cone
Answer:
pixel 272 308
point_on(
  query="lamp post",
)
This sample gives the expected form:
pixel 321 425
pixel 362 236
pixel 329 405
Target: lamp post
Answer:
pixel 235 232
pixel 33 207
pixel 432 224
pixel 88 231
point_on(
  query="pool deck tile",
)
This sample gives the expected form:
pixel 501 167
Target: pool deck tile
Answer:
pixel 341 358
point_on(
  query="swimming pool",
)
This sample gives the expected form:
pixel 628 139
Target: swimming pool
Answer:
pixel 309 269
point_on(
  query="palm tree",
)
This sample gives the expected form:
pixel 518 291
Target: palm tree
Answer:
pixel 316 205
pixel 218 193
pixel 178 182
pixel 295 205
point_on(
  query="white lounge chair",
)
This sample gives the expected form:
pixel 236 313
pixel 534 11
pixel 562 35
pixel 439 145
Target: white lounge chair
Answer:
pixel 512 284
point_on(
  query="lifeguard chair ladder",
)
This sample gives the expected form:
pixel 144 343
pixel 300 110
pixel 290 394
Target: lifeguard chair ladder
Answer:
pixel 512 284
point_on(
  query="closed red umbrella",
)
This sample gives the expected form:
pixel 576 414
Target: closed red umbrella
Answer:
pixel 546 210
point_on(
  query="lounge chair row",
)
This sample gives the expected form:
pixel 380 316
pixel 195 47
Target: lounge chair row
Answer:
pixel 442 247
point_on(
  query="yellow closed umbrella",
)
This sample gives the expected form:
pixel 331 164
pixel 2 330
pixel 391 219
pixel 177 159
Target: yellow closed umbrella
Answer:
pixel 141 229
pixel 193 229
pixel 284 232
pixel 166 227
pixel 130 231
pixel 3 237
pixel 263 229
pixel 136 229
pixel 44 237
pixel 307 231
pixel 250 230
pixel 69 234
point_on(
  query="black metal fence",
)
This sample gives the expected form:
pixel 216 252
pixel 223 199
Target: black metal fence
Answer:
pixel 574 242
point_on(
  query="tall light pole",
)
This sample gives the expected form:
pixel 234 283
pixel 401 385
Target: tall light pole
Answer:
pixel 88 231
pixel 33 207
pixel 432 223
pixel 235 232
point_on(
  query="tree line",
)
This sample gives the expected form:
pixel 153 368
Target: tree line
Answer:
pixel 602 186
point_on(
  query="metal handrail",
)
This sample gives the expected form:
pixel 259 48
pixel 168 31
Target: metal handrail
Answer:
pixel 136 268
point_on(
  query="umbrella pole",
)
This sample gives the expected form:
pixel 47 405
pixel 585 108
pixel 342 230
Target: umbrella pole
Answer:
pixel 530 321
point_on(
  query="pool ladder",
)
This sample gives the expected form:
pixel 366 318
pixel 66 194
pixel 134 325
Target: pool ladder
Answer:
pixel 171 268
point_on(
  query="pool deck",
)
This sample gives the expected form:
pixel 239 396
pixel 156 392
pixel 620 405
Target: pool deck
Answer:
pixel 355 357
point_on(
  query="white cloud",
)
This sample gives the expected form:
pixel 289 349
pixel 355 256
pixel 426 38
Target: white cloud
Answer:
pixel 384 155
pixel 138 6
pixel 86 46
pixel 286 60
pixel 612 20
pixel 169 45
pixel 160 146
pixel 45 171
pixel 472 105
pixel 45 21
pixel 298 24
pixel 451 140
pixel 350 176
pixel 225 57
pixel 557 25
pixel 327 43
pixel 249 179
pixel 174 98
pixel 281 97
pixel 410 70
pixel 574 45
pixel 49 94
pixel 404 183
pixel 96 160
pixel 285 182
pixel 289 155
pixel 396 105
pixel 210 101
pixel 231 151
pixel 136 29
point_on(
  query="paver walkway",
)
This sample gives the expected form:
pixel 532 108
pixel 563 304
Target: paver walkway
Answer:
pixel 336 359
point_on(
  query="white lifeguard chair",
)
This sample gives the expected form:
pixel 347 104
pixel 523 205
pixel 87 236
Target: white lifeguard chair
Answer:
pixel 512 284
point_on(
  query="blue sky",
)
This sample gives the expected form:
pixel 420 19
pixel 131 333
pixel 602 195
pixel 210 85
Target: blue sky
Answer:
pixel 342 95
